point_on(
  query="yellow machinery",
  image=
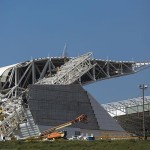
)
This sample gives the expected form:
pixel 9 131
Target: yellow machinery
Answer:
pixel 52 133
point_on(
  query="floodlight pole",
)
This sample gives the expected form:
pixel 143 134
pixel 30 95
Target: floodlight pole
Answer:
pixel 143 87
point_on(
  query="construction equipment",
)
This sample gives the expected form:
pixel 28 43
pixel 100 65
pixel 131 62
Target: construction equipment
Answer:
pixel 52 133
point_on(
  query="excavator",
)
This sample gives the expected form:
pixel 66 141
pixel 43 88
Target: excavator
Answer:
pixel 52 133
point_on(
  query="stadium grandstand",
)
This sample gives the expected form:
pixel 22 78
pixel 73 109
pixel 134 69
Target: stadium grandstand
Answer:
pixel 129 114
pixel 43 92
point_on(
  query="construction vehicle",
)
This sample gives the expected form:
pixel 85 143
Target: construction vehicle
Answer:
pixel 53 133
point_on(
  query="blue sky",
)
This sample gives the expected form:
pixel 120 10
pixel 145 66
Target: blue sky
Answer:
pixel 118 30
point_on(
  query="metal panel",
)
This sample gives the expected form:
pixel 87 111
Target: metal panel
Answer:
pixel 52 105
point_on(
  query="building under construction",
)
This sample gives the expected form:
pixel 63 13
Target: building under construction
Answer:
pixel 45 92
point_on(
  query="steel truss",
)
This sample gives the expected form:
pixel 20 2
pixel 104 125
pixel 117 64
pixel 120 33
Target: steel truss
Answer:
pixel 83 70
pixel 121 107
pixel 71 71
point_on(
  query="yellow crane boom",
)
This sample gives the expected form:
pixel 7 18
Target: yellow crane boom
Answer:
pixel 81 118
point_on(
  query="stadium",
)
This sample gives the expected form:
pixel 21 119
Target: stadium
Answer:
pixel 43 93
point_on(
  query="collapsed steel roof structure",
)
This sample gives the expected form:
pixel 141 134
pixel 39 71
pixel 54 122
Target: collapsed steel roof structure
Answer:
pixel 14 79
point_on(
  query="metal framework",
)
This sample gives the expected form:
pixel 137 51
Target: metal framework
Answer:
pixel 13 114
pixel 83 70
pixel 129 106
pixel 71 71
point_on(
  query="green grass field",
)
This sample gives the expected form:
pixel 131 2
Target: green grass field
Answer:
pixel 76 145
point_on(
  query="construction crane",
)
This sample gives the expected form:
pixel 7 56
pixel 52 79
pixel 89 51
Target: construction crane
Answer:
pixel 52 133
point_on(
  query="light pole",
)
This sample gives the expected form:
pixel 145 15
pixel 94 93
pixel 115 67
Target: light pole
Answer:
pixel 143 87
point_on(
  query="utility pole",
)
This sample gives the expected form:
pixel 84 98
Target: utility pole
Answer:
pixel 143 87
